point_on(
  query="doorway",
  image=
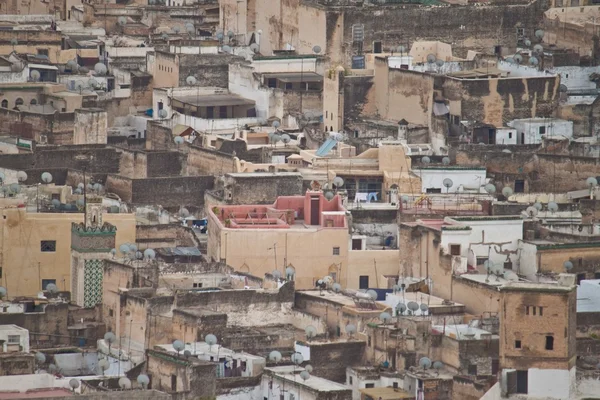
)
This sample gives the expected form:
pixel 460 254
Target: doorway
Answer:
pixel 314 211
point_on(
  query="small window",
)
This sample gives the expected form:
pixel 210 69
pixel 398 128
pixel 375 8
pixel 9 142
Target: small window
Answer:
pixel 4 103
pixel 369 385
pixel 395 385
pixel 110 312
pixel 336 251
pixel 0 272
pixel 14 339
pixel 48 246
pixel 173 383
pixel 541 311
pixel 33 102
pixel 542 130
pixel 472 369
pixel 510 135
pixel 46 282
pixel 526 310
pixel 289 86
pixel 517 344
pixel 19 102
pixel 455 249
pixel 549 342
pixel 42 52
pixel 350 380
pixel 363 282
pixel 534 310
pixel 377 48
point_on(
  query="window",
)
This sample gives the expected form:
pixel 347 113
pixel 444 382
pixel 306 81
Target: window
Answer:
pixel 14 339
pixel 289 86
pixel 33 102
pixel 46 282
pixel 472 369
pixel 48 246
pixel 395 385
pixel 377 48
pixel 210 112
pixel 363 282
pixel 520 31
pixel 0 272
pixel 369 385
pixel 272 82
pixel 358 62
pixel 42 52
pixel 173 383
pixel 18 102
pixel 350 380
pixel 455 249
pixel 526 310
pixel 542 130
pixel 549 342
pixel 517 344
pixel 110 312
pixel 510 135
pixel 541 311
pixel 358 32
pixel 4 103
pixel 336 251
pixel 533 308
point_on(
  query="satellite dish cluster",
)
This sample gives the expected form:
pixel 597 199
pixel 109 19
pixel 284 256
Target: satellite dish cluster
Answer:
pixel 130 251
pixel 412 308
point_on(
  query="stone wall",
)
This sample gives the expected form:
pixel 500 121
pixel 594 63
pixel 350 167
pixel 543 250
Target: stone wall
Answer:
pixel 46 329
pixel 165 235
pixel 330 360
pixel 261 189
pixel 210 70
pixel 165 163
pixel 203 161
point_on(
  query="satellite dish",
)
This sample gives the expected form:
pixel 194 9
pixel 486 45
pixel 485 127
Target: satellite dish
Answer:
pixel 189 27
pixel 178 345
pixel 413 306
pixel 210 339
pixel 40 358
pixel 539 34
pixel 285 138
pixel 164 36
pixel 100 69
pixel 552 206
pixel 563 88
pixel 139 255
pixel 52 368
pixel 226 49
pixel 275 124
pixel 21 176
pixel 350 329
pixel 305 375
pixel 74 383
pixel 254 47
pixel 297 358
pixel 310 331
pixel 230 34
pixel 316 49
pixel 490 188
pixel 447 183
pixel 510 60
pixel 276 274
pixel 47 177
pixel 15 188
pixel 2 291
pixel 431 58
pixel 143 380
pixel 328 195
pixel 309 368
pixel 176 29
pixel 400 308
pixel 425 160
pixel 405 198
pixel 439 63
pixel 132 247
pixel 275 356
pixel 124 383
pixel 538 48
pixel 55 203
pixel 425 363
pixel 122 21
pixel 124 248
pixel 538 206
pixel 533 61
pixel 338 181
pixel 527 42
pixel 92 83
pixel 518 58
pixel 290 272
pixel 531 211
pixel 220 36
pixel 109 337
pixel 52 288
pixel 104 364
pixel 438 365
pixel 191 80
pixel 14 42
pixel 35 75
pixel 446 160
pixel 385 317
pixel 162 113
pixel 337 287
pixel 72 64
pixel 424 308
pixel 507 191
pixel 372 294
pixel 149 254
pixel 187 353
pixel 591 181
pixel 178 140
pixel 568 265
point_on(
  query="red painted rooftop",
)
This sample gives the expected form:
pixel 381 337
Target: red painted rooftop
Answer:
pixel 37 394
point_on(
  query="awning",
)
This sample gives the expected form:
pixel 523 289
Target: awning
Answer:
pixel 43 66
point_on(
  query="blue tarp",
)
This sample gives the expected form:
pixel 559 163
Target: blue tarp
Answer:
pixel 326 147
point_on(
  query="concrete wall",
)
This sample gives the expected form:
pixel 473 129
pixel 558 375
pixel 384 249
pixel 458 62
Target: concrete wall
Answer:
pixel 376 264
pixel 90 127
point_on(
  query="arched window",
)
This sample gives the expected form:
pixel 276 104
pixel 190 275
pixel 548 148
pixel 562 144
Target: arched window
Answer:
pixel 4 103
pixel 33 102
pixel 18 102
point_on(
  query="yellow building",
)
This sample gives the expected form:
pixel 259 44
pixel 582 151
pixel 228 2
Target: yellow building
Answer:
pixel 35 248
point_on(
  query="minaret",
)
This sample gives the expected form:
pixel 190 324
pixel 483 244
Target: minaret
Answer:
pixel 91 243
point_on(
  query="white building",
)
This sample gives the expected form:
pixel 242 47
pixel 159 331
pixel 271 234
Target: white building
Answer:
pixel 532 130
pixel 285 383
pixel 14 339
pixel 368 377
pixel 461 179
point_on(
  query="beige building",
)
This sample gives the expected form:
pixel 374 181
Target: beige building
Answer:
pixel 36 248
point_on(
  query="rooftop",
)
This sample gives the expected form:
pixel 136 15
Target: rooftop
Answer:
pixel 59 393
pixel 588 296
pixel 386 393
pixel 463 332
pixel 291 374
pixel 11 327
pixel 213 100
pixel 295 76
